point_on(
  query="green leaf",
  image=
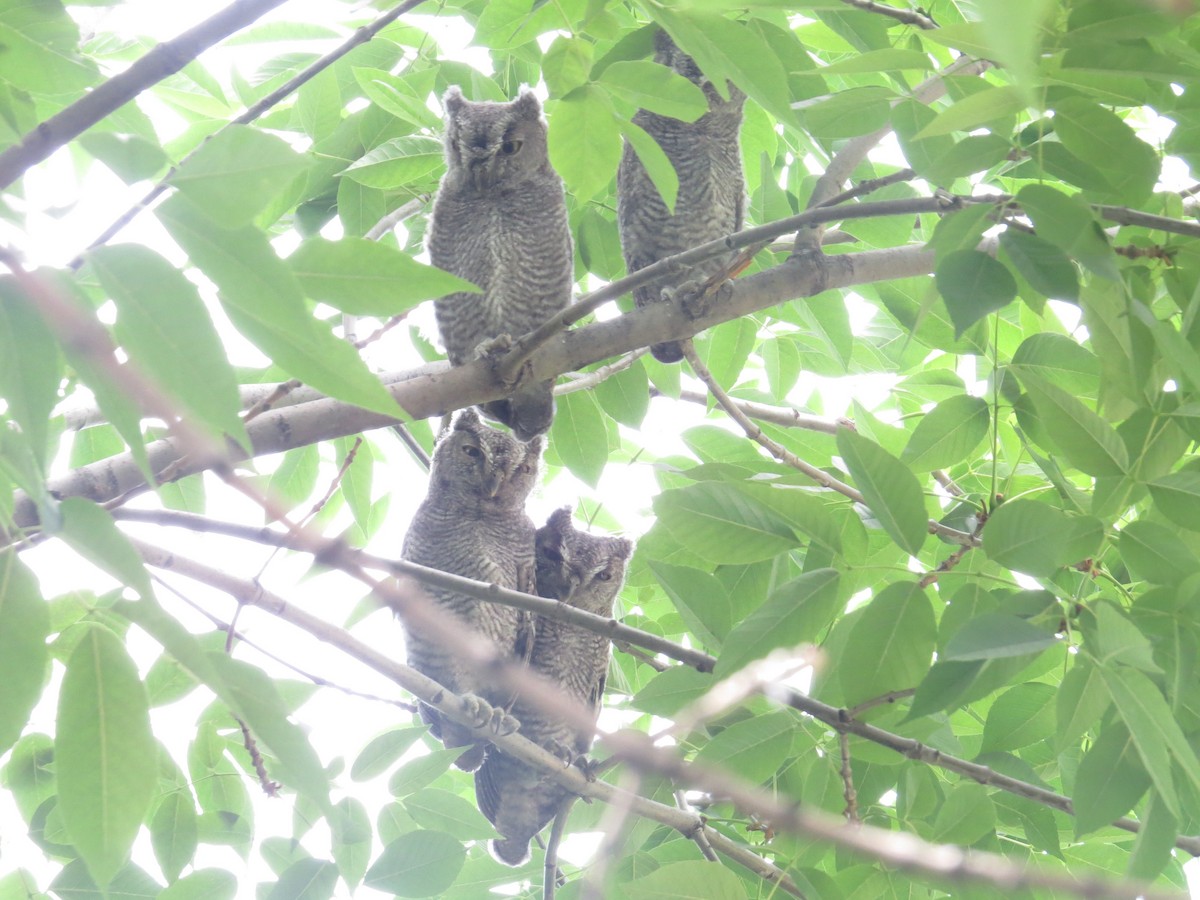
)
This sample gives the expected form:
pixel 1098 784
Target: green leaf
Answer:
pixel 1155 553
pixel 351 833
pixel 1058 359
pixel 974 110
pixel 24 626
pixel 566 65
pixel 1038 539
pixel 1080 702
pixel 721 524
pixel 584 142
pixel 753 748
pixel 30 366
pixel 404 96
pixel 441 810
pixel 948 433
pixel 892 491
pixel 700 598
pixel 625 396
pixel 966 816
pixel 101 752
pixel 973 285
pixel 264 301
pixel 1109 780
pixel 368 278
pixel 797 611
pixel 1084 438
pixel 1043 265
pixel 418 773
pixel 1021 716
pixel 397 163
pixel 579 435
pixel 656 163
pixel 670 691
pixel 40 52
pixel 1120 642
pixel 1176 496
pixel 383 751
pixel 1069 224
pixel 872 61
pixel 233 176
pixel 259 704
pixel 417 864
pixel 1156 733
pixel 305 879
pixel 173 833
pixel 995 636
pixel 163 325
pixel 687 880
pixel 1101 138
pixel 1155 844
pixel 91 532
pixel 849 113
pixel 203 884
pixel 656 88
pixel 729 50
pixel 1013 30
pixel 891 644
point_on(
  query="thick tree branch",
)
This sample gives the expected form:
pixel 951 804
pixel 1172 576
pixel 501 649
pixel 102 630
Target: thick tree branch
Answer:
pixel 434 393
pixel 165 59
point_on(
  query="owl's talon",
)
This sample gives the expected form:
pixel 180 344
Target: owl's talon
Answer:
pixel 587 767
pixel 493 348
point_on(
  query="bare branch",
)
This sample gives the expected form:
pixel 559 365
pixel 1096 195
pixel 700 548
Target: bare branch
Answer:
pixel 165 59
pixel 785 456
pixel 783 416
pixel 908 17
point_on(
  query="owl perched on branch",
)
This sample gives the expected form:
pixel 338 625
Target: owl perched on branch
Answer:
pixel 473 523
pixel 500 221
pixel 711 199
pixel 585 571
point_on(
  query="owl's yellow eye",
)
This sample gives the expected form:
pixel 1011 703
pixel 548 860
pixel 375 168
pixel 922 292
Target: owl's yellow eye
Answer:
pixel 508 148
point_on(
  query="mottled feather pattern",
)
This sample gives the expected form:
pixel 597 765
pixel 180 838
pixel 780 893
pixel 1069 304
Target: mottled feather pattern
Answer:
pixel 473 523
pixel 500 221
pixel 585 571
pixel 711 199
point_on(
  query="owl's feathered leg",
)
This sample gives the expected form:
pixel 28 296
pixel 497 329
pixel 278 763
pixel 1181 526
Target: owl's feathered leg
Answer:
pixel 532 410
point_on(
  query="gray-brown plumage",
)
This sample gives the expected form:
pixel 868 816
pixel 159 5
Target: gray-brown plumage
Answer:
pixel 500 221
pixel 585 571
pixel 711 199
pixel 473 523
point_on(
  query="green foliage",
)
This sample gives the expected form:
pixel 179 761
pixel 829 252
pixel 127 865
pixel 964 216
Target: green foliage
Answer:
pixel 999 563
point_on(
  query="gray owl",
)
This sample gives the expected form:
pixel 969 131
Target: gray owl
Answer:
pixel 500 221
pixel 711 199
pixel 584 571
pixel 473 523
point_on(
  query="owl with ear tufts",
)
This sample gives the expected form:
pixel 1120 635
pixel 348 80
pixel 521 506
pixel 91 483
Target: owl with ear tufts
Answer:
pixel 711 200
pixel 500 221
pixel 473 523
pixel 585 571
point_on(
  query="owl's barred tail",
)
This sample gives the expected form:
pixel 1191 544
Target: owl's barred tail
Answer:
pixel 670 352
pixel 528 412
pixel 511 851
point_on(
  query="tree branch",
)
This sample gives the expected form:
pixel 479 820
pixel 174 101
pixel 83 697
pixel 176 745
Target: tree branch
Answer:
pixel 165 59
pixel 905 16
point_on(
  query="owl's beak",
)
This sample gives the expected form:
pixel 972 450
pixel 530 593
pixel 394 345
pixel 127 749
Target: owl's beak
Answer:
pixel 481 174
pixel 492 485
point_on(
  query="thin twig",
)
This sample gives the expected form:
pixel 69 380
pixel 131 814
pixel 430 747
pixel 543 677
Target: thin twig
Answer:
pixel 552 876
pixel 851 796
pixel 396 216
pixel 698 836
pixel 908 17
pixel 783 416
pixel 585 381
pixel 786 457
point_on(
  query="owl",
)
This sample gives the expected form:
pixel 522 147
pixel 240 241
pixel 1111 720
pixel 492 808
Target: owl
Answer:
pixel 711 199
pixel 585 571
pixel 472 522
pixel 500 221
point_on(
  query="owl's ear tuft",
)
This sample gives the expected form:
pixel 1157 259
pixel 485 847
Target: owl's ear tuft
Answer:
pixel 534 447
pixel 624 548
pixel 467 420
pixel 528 106
pixel 560 519
pixel 453 100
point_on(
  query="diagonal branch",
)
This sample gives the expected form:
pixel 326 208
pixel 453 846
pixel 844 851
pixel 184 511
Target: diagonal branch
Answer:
pixel 842 721
pixel 908 17
pixel 165 59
